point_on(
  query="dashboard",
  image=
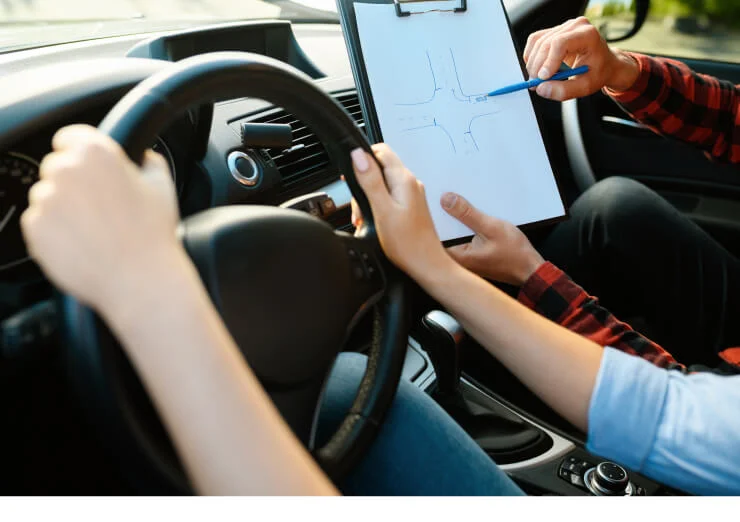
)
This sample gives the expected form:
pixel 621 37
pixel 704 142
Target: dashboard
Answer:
pixel 19 170
pixel 44 89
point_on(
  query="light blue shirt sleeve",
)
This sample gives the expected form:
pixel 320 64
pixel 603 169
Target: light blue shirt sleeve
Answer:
pixel 680 430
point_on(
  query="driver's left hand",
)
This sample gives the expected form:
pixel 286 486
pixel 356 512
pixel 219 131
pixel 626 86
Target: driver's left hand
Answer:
pixel 498 251
pixel 100 227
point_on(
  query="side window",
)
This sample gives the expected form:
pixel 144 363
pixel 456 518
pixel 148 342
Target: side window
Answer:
pixel 699 29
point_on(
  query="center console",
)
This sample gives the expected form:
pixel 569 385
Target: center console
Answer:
pixel 541 459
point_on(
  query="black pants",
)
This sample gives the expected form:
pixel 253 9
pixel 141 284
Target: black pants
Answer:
pixel 643 259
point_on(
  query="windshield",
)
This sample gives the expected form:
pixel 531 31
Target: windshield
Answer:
pixel 33 23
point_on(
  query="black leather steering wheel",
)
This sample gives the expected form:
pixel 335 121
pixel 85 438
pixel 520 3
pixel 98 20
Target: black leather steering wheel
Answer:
pixel 288 287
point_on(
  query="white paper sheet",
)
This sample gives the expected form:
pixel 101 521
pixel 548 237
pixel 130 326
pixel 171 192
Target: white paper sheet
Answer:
pixel 429 75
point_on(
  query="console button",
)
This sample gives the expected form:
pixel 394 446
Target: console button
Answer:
pixel 564 474
pixel 577 480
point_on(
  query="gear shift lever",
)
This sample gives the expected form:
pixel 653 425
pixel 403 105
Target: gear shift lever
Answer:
pixel 442 338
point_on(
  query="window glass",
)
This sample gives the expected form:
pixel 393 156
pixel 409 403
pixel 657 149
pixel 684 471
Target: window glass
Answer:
pixel 701 29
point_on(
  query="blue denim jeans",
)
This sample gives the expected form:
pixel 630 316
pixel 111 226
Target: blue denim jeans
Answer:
pixel 419 450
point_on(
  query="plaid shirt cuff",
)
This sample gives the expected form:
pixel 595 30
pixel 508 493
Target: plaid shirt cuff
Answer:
pixel 551 293
pixel 646 65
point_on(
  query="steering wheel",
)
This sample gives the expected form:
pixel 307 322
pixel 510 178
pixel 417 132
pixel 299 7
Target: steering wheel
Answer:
pixel 288 287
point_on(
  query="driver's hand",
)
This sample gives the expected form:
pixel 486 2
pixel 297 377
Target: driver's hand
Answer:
pixel 577 42
pixel 400 212
pixel 498 251
pixel 98 225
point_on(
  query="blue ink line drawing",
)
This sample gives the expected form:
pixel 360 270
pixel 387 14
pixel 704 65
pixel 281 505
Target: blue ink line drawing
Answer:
pixel 470 127
pixel 419 128
pixel 452 142
pixel 447 84
pixel 457 77
pixel 436 88
pixel 442 128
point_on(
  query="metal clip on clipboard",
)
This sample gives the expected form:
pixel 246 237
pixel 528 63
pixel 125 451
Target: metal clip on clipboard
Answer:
pixel 418 6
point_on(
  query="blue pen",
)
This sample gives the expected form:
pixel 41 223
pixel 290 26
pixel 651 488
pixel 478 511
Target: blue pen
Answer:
pixel 563 75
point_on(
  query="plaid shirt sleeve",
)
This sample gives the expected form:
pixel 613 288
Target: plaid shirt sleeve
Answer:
pixel 551 293
pixel 675 101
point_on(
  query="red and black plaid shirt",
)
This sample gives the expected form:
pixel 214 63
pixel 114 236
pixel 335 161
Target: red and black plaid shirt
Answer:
pixel 551 293
pixel 675 101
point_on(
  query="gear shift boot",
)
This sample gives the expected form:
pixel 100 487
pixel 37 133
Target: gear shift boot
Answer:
pixel 504 436
pixel 501 434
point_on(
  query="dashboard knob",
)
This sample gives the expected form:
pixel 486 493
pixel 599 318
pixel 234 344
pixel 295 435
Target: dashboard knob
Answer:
pixel 608 479
pixel 243 168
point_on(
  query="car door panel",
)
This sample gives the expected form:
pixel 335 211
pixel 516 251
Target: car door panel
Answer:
pixel 614 144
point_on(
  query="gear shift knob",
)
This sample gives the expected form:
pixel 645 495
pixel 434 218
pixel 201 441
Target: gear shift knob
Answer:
pixel 441 337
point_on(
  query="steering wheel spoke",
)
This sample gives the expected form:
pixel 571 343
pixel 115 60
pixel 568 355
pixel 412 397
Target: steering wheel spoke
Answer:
pixel 367 273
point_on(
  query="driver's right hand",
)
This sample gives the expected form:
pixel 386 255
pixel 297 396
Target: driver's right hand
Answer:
pixel 498 251
pixel 400 212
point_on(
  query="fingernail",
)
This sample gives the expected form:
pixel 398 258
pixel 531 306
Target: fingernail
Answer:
pixel 359 158
pixel 544 73
pixel 544 90
pixel 449 199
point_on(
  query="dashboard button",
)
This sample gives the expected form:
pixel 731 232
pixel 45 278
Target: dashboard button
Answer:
pixel 328 206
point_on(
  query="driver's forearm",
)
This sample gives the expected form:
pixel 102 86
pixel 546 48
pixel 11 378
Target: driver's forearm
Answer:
pixel 558 365
pixel 227 431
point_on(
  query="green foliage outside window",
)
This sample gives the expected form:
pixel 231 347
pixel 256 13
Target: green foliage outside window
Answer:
pixel 724 12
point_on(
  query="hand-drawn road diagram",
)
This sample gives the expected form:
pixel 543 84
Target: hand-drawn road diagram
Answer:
pixel 448 108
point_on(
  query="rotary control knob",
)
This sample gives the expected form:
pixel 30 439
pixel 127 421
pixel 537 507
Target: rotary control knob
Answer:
pixel 608 479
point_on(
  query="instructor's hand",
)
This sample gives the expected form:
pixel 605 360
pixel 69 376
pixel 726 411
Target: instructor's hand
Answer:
pixel 577 42
pixel 400 212
pixel 499 250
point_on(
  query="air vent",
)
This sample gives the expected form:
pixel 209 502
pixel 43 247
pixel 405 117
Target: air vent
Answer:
pixel 351 103
pixel 306 164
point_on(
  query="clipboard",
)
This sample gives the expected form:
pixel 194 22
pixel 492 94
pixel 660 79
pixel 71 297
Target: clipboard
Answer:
pixel 408 9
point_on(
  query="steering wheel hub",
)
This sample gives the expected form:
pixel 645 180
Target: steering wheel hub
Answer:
pixel 281 281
